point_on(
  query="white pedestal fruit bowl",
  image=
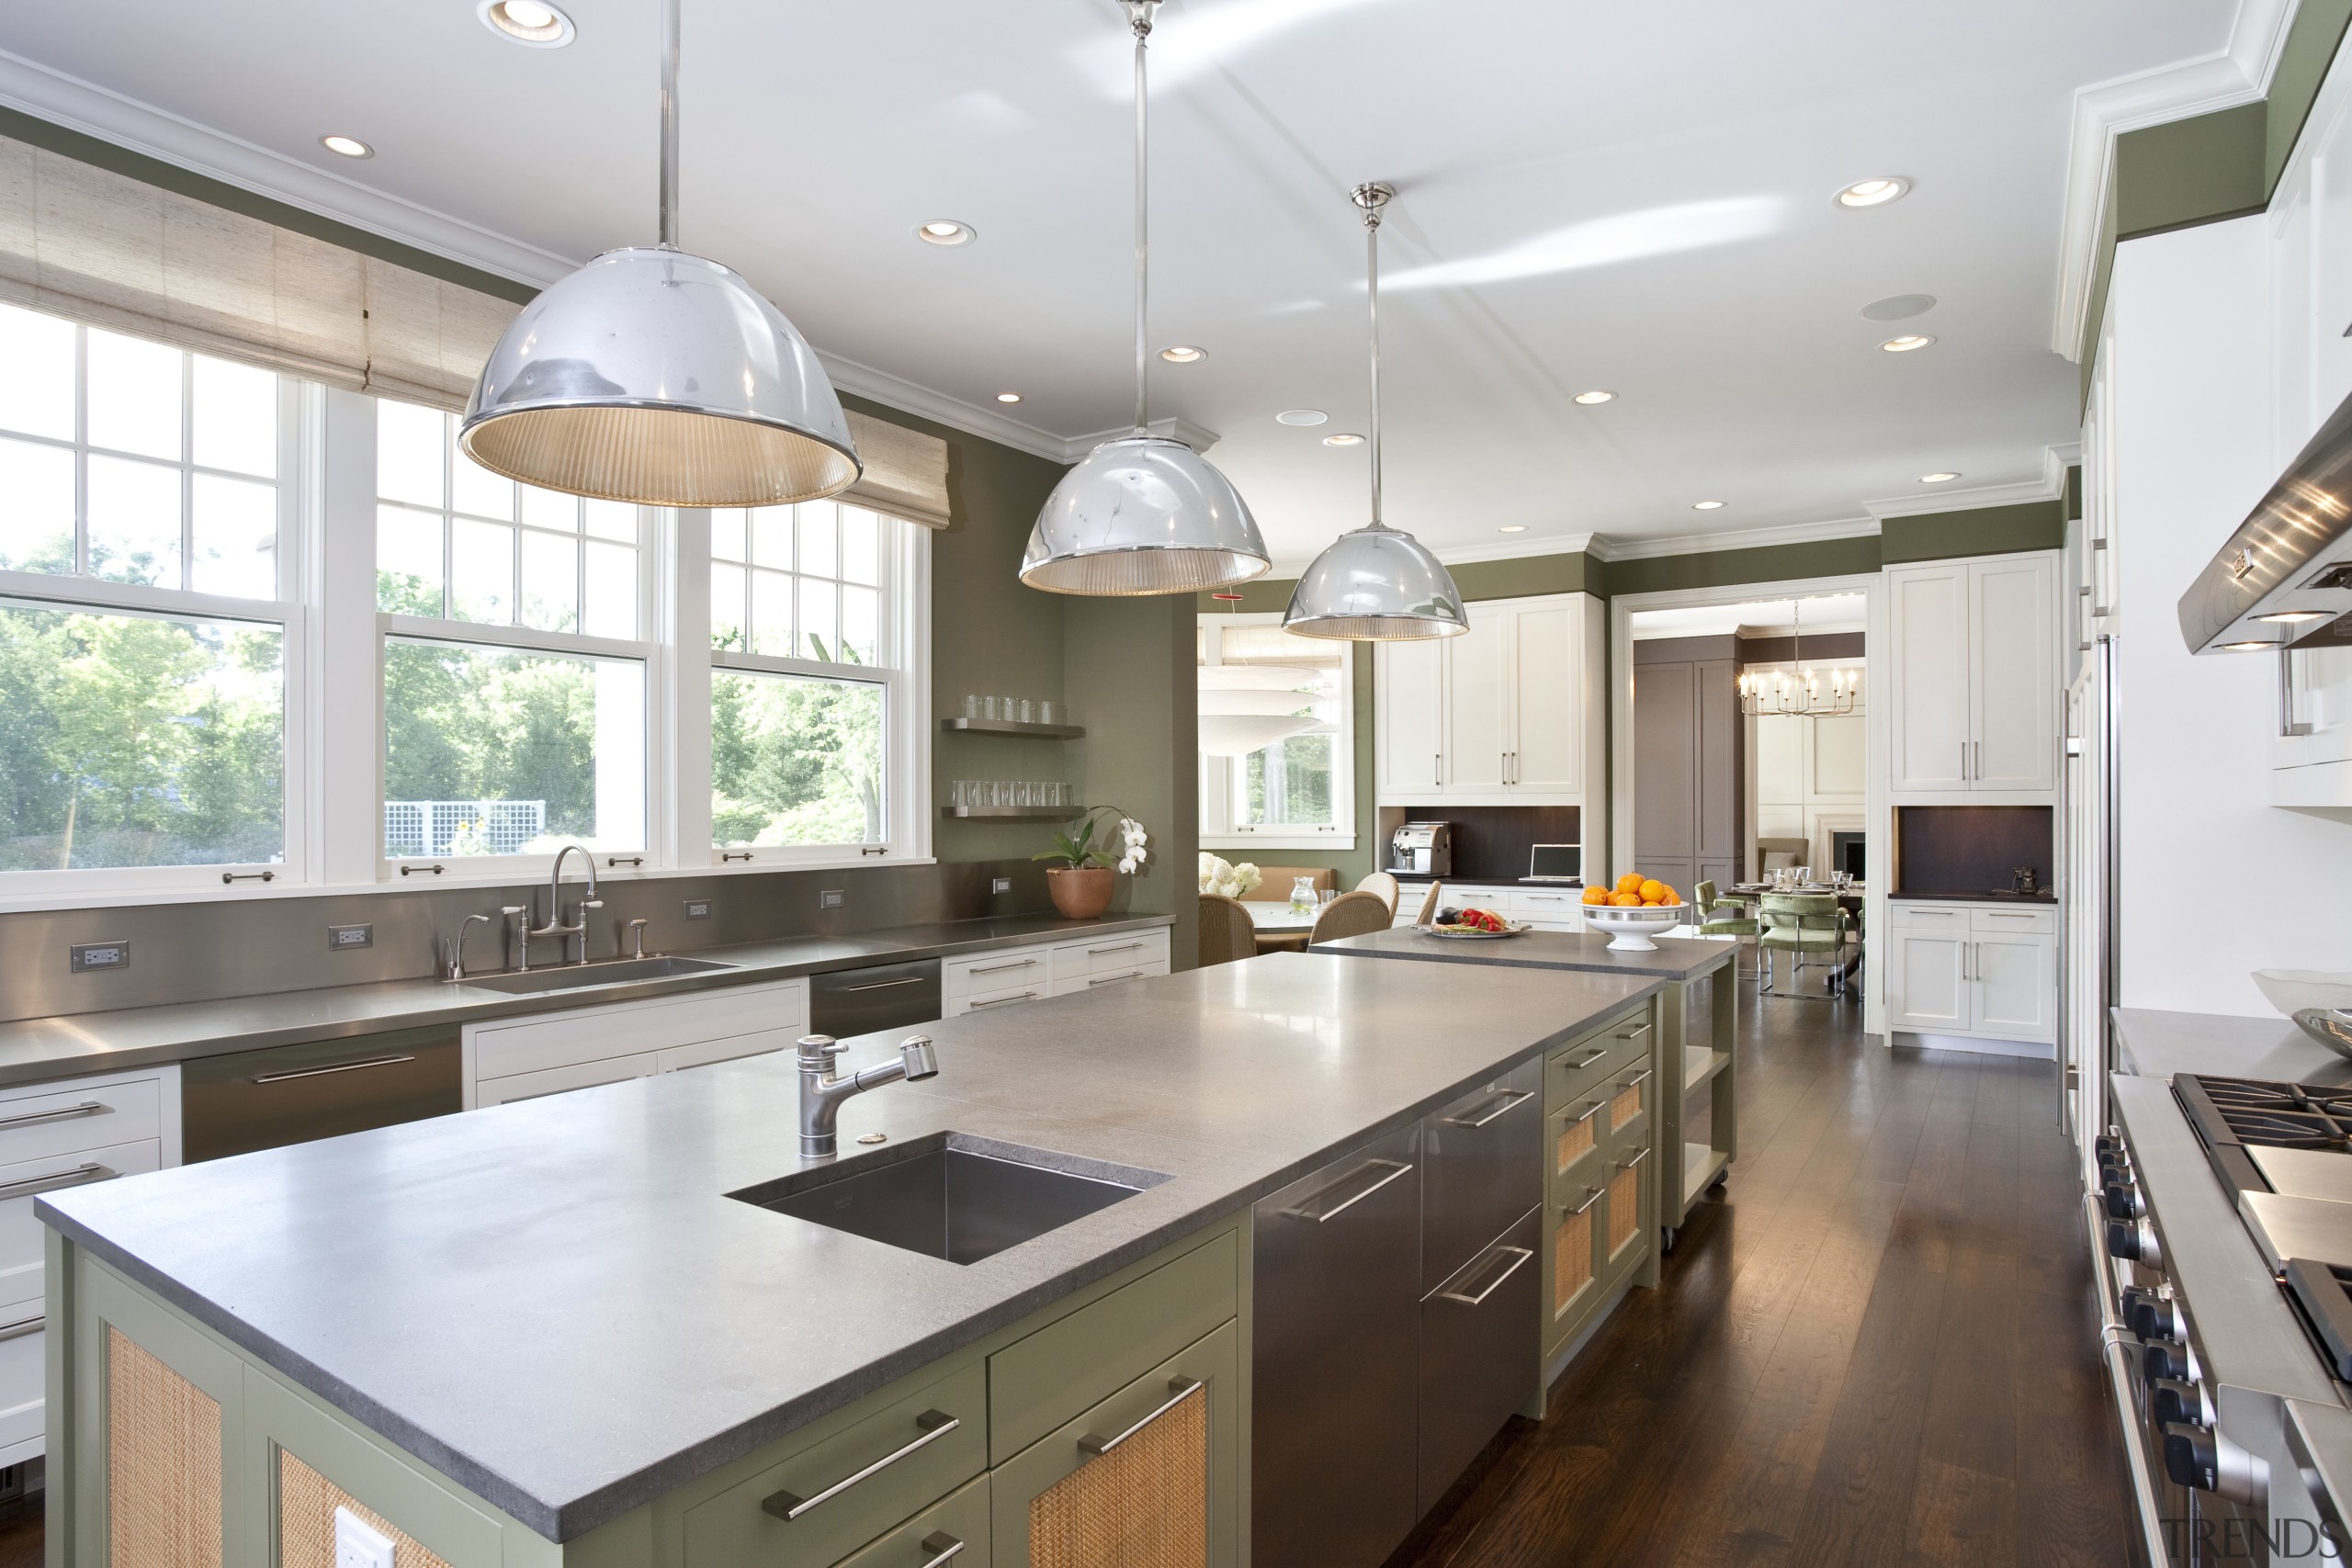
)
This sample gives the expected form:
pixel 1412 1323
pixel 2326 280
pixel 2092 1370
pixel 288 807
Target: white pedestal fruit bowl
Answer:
pixel 1631 926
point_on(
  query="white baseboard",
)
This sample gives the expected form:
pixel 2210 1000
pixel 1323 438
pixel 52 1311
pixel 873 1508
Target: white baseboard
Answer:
pixel 1981 1045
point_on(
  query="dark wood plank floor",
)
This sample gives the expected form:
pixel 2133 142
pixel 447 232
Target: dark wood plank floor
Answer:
pixel 1877 1348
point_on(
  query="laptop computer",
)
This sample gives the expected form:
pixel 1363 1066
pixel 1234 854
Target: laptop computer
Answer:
pixel 1555 862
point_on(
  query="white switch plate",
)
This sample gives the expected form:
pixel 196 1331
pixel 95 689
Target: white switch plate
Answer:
pixel 358 1544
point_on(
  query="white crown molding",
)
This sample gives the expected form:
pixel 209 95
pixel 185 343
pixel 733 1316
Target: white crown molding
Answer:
pixel 849 376
pixel 1733 539
pixel 2238 73
pixel 1523 549
pixel 37 90
pixel 2049 487
pixel 1199 437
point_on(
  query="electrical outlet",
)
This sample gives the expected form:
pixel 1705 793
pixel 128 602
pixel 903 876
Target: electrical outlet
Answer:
pixel 829 898
pixel 341 937
pixel 697 909
pixel 358 1544
pixel 1000 885
pixel 85 955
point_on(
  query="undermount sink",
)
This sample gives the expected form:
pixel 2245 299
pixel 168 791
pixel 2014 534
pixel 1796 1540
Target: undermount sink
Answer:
pixel 952 1195
pixel 609 971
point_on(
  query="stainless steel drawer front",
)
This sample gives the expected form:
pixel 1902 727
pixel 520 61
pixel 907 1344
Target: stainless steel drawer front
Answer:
pixel 1476 1367
pixel 1482 1165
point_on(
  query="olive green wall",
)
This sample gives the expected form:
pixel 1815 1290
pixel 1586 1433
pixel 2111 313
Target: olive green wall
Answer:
pixel 1128 668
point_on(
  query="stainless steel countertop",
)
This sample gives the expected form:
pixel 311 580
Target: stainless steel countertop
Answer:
pixel 2158 1044
pixel 1677 958
pixel 35 1049
pixel 554 1304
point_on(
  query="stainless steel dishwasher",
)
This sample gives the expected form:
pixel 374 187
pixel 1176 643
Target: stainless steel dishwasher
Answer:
pixel 880 995
pixel 291 1094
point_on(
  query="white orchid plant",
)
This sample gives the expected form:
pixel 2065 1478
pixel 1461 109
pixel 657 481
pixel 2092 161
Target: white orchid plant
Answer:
pixel 1123 848
pixel 1227 880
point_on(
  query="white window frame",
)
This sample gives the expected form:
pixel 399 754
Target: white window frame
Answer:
pixel 903 671
pixel 287 612
pixel 1220 775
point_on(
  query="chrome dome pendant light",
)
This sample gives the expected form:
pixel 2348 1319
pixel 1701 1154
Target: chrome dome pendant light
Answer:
pixel 659 377
pixel 1375 584
pixel 1144 514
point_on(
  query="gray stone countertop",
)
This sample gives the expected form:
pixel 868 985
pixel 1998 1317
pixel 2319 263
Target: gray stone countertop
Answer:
pixel 1677 958
pixel 554 1304
pixel 2157 1045
pixel 35 1049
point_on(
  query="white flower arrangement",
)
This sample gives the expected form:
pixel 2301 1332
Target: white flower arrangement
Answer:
pixel 1135 842
pixel 1227 880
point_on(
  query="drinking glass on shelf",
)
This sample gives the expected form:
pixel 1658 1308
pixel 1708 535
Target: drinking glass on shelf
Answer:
pixel 987 709
pixel 1008 709
pixel 1045 711
pixel 971 705
pixel 990 790
pixel 956 792
pixel 1024 793
pixel 1028 711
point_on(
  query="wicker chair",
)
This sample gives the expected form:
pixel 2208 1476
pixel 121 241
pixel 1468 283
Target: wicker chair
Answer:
pixel 1429 904
pixel 1802 923
pixel 1351 914
pixel 1380 882
pixel 1227 930
pixel 1278 878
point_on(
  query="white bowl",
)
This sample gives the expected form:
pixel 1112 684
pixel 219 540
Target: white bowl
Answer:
pixel 2294 990
pixel 1632 925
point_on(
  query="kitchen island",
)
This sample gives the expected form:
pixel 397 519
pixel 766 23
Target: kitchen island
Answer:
pixel 565 1331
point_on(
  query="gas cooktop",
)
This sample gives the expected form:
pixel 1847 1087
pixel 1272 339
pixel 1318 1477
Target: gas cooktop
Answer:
pixel 2235 1116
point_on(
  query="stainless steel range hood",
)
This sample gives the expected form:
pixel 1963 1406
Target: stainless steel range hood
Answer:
pixel 2292 556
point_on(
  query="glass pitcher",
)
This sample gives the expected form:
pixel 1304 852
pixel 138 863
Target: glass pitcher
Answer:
pixel 1302 895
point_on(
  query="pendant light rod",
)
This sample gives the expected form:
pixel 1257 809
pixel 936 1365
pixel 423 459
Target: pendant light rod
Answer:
pixel 669 10
pixel 1140 15
pixel 1372 199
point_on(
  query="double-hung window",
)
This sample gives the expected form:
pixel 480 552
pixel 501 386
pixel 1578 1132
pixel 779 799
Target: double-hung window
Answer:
pixel 146 609
pixel 517 658
pixel 1277 714
pixel 815 743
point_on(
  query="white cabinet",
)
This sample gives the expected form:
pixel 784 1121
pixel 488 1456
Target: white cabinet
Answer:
pixel 1973 676
pixel 1974 969
pixel 1011 975
pixel 1508 714
pixel 549 1053
pixel 55 1135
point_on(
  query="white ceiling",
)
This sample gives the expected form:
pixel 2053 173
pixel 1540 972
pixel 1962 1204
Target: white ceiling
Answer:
pixel 1823 613
pixel 1660 177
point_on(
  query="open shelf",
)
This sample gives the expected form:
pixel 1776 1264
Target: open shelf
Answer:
pixel 1701 1164
pixel 1014 726
pixel 1014 813
pixel 1698 1065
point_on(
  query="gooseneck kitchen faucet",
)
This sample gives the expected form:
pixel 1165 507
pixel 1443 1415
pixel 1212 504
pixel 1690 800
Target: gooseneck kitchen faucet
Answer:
pixel 554 928
pixel 821 1093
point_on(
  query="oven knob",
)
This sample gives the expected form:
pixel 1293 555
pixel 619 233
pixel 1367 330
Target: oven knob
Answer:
pixel 2150 1316
pixel 2192 1457
pixel 2164 1360
pixel 2134 1241
pixel 2171 1402
pixel 2106 1143
pixel 2123 1202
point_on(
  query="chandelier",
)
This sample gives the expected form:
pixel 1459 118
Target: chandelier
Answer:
pixel 1805 693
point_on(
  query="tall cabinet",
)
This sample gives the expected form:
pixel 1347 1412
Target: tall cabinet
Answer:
pixel 1509 713
pixel 1972 664
pixel 1688 762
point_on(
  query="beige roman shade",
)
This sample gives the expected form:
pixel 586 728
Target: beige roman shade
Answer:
pixel 105 248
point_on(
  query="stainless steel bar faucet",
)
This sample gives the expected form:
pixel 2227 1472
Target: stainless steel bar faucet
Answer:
pixel 579 925
pixel 821 1093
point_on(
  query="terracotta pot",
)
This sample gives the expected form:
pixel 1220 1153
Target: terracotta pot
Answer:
pixel 1081 892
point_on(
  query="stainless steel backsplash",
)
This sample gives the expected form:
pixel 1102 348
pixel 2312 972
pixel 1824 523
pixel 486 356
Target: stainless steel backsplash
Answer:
pixel 185 953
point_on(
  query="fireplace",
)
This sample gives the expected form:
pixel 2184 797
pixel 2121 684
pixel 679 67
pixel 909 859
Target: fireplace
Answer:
pixel 1847 852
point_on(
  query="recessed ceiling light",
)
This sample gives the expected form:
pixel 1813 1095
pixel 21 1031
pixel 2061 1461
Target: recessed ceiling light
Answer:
pixel 945 232
pixel 349 146
pixel 1301 416
pixel 1874 192
pixel 2247 647
pixel 2294 617
pixel 1343 438
pixel 1899 307
pixel 1184 353
pixel 1706 506
pixel 1513 528
pixel 1588 398
pixel 1008 397
pixel 526 22
pixel 1907 343
pixel 1937 479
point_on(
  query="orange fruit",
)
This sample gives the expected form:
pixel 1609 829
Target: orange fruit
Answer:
pixel 1596 896
pixel 1630 882
pixel 1626 900
pixel 1652 891
pixel 1670 896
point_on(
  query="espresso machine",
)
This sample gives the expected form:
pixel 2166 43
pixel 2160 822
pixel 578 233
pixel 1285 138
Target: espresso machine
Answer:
pixel 1423 849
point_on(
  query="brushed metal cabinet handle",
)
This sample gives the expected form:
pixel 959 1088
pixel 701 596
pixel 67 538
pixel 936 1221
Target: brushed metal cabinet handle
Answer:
pixel 1634 1082
pixel 1518 1257
pixel 1591 1196
pixel 1113 979
pixel 80 1175
pixel 1179 1390
pixel 1000 1001
pixel 338 1067
pixel 885 985
pixel 1506 1101
pixel 1391 1169
pixel 1591 1110
pixel 1637 1159
pixel 790 1506
pixel 1590 1057
pixel 994 968
pixel 1635 1032
pixel 945 1545
pixel 64 1113
pixel 1123 947
pixel 22 1326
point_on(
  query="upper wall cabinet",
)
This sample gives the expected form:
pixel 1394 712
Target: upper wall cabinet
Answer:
pixel 1973 676
pixel 1508 714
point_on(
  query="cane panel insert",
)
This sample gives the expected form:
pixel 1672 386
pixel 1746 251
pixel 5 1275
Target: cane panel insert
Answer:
pixel 1571 1260
pixel 163 1463
pixel 1143 1505
pixel 306 1506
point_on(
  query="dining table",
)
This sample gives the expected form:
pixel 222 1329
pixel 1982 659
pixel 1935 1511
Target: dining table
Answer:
pixel 1276 918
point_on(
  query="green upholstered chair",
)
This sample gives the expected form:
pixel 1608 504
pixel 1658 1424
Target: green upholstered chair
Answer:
pixel 1804 926
pixel 1725 917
